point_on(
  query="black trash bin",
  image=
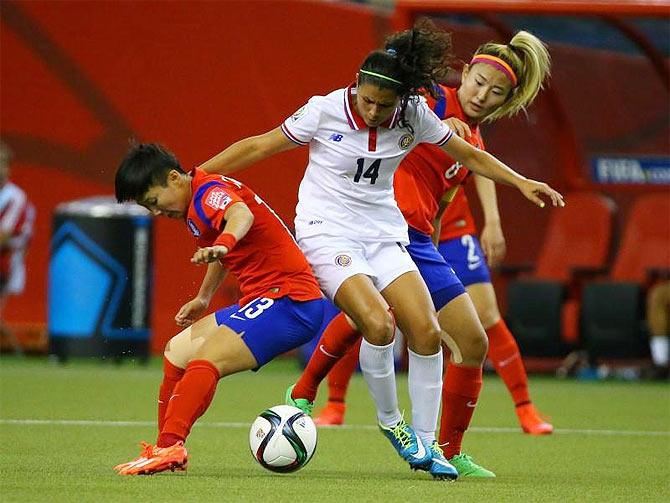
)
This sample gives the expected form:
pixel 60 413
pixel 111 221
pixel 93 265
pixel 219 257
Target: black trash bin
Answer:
pixel 100 273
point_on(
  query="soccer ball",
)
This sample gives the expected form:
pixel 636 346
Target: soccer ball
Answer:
pixel 283 438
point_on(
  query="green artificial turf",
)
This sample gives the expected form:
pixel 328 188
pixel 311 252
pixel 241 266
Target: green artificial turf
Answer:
pixel 63 428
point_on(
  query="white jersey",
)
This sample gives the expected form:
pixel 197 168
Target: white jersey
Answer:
pixel 347 189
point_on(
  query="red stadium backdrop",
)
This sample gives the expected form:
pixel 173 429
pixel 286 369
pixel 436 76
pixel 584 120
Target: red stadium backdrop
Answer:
pixel 79 79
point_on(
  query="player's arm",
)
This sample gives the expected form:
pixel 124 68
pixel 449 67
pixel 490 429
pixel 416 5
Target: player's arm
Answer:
pixel 483 163
pixel 492 238
pixel 248 151
pixel 194 308
pixel 239 220
pixel 447 197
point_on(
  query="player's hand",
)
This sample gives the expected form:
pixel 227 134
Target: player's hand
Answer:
pixel 532 190
pixel 209 254
pixel 458 126
pixel 190 312
pixel 493 244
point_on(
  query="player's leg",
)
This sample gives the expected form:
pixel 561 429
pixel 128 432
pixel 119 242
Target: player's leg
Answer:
pixel 465 339
pixel 338 383
pixel 506 358
pixel 337 337
pixel 658 320
pixel 409 297
pixel 231 342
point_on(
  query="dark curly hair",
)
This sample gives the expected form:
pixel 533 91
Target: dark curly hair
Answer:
pixel 412 62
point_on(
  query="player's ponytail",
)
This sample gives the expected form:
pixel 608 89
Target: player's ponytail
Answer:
pixel 529 60
pixel 412 61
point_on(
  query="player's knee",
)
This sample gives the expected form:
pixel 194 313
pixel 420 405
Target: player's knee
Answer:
pixel 426 337
pixel 378 328
pixel 478 346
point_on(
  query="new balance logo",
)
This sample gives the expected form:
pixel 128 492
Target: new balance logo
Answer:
pixel 336 137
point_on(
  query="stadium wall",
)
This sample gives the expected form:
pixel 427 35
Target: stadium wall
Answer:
pixel 79 79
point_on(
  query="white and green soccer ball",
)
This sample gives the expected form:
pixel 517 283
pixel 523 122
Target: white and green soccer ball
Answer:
pixel 283 438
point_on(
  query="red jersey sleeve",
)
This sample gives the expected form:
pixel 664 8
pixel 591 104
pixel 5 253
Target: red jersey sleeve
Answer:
pixel 211 205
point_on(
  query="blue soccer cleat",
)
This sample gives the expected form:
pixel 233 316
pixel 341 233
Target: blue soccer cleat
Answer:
pixel 408 445
pixel 439 467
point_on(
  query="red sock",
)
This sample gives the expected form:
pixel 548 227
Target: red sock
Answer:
pixel 335 340
pixel 505 356
pixel 190 400
pixel 459 397
pixel 340 375
pixel 171 376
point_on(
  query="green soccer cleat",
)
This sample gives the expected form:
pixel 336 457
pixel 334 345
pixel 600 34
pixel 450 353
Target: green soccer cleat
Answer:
pixel 468 468
pixel 302 403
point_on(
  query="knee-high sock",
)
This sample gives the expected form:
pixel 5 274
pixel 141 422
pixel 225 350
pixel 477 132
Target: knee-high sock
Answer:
pixel 189 401
pixel 171 376
pixel 336 339
pixel 425 385
pixel 506 359
pixel 379 373
pixel 459 397
pixel 340 375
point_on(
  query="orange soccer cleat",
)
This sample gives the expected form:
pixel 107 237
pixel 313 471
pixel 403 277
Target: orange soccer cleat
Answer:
pixel 332 414
pixel 531 421
pixel 155 459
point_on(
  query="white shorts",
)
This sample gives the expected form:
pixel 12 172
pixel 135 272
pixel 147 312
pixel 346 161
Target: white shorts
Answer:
pixel 335 259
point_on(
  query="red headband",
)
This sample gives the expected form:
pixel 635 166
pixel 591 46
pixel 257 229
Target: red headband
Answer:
pixel 498 64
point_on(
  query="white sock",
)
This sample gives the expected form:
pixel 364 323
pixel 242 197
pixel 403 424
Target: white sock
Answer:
pixel 379 373
pixel 659 350
pixel 425 389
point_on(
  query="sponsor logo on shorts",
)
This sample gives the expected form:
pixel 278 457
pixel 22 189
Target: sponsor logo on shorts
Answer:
pixel 405 141
pixel 343 260
pixel 194 228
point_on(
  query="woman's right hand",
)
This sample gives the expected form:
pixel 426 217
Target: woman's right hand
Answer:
pixel 190 312
pixel 458 126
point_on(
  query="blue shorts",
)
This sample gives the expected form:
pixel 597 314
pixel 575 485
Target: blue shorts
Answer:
pixel 467 258
pixel 270 327
pixel 440 278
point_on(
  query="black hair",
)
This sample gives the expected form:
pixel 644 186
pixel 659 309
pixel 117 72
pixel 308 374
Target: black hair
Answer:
pixel 144 166
pixel 412 61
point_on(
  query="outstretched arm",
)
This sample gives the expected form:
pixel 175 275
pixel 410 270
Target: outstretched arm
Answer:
pixel 485 164
pixel 248 151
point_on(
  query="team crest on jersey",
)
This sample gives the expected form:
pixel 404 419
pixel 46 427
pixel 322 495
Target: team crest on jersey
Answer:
pixel 299 113
pixel 194 228
pixel 218 199
pixel 343 260
pixel 405 141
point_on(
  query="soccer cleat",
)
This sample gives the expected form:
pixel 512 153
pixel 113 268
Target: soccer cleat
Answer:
pixel 468 468
pixel 155 459
pixel 408 445
pixel 531 422
pixel 439 467
pixel 332 414
pixel 302 403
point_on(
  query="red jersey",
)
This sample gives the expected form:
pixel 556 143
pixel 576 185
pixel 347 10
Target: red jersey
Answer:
pixel 428 172
pixel 266 261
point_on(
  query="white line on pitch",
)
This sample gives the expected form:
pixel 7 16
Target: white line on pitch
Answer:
pixel 474 429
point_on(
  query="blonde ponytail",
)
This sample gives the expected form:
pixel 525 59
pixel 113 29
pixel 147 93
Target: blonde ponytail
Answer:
pixel 528 57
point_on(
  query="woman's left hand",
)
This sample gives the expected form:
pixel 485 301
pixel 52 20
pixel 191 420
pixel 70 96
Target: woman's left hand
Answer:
pixel 533 189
